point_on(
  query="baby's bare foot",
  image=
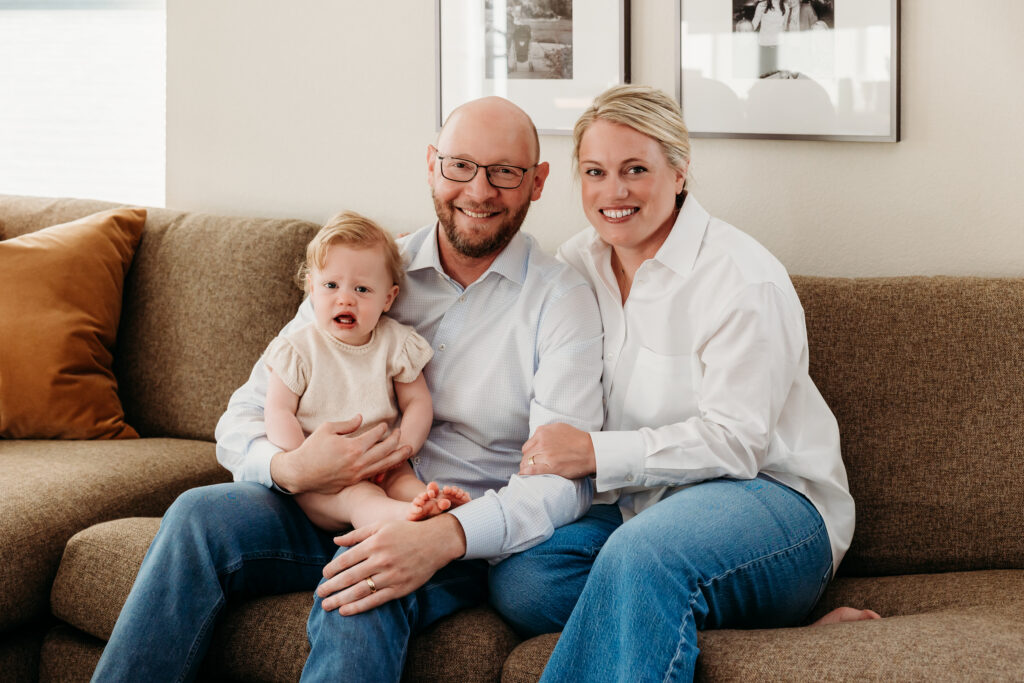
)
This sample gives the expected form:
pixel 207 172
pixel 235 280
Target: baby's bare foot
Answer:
pixel 428 504
pixel 843 614
pixel 435 500
pixel 456 495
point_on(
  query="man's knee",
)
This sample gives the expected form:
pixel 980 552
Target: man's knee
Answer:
pixel 536 591
pixel 208 514
pixel 518 584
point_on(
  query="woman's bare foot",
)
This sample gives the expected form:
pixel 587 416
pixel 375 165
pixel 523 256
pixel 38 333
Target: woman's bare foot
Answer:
pixel 435 500
pixel 843 614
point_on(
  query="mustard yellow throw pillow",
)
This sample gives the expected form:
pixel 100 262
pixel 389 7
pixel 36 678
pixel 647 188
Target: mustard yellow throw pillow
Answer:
pixel 60 305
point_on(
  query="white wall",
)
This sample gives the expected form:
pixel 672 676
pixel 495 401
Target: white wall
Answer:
pixel 303 108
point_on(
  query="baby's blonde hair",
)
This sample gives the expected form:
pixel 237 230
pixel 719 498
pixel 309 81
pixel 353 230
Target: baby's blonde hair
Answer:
pixel 350 229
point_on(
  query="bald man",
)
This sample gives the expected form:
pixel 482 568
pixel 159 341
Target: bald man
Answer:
pixel 517 343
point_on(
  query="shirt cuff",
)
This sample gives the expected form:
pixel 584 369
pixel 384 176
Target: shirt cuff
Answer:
pixel 484 525
pixel 256 466
pixel 620 459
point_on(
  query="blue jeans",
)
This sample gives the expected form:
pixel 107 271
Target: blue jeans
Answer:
pixel 721 554
pixel 241 540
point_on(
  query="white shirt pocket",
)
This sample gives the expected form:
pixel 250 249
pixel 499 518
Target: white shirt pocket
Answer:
pixel 661 390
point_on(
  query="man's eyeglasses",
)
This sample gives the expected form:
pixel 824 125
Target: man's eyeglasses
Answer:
pixel 502 176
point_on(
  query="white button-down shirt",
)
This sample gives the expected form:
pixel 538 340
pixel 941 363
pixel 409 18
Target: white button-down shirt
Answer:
pixel 705 374
pixel 518 348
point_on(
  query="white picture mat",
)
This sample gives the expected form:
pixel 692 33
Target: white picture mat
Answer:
pixel 553 104
pixel 849 92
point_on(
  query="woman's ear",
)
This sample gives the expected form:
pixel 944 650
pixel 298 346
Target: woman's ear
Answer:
pixel 681 178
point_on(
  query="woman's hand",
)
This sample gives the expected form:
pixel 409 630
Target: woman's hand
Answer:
pixel 559 449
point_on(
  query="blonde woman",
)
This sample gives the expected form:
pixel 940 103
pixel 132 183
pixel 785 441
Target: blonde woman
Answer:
pixel 724 496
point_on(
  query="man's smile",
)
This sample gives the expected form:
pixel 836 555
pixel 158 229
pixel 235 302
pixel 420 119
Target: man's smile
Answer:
pixel 478 214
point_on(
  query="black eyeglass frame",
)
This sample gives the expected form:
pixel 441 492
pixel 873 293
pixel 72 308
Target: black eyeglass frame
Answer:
pixel 487 170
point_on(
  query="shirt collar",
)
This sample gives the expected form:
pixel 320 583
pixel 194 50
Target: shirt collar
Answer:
pixel 680 249
pixel 510 264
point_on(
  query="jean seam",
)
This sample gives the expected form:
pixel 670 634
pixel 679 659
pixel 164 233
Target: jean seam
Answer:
pixel 193 651
pixel 704 584
pixel 270 555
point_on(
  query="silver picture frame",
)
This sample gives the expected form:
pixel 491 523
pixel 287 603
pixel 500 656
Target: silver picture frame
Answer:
pixel 790 69
pixel 551 57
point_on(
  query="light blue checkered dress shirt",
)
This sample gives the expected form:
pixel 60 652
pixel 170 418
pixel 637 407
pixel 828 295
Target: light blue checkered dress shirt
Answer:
pixel 518 348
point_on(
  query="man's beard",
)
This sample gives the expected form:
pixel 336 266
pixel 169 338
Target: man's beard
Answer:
pixel 487 245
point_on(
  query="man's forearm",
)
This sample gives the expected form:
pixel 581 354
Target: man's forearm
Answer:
pixel 449 536
pixel 521 515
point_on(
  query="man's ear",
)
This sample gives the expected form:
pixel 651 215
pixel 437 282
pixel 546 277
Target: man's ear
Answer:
pixel 431 160
pixel 540 174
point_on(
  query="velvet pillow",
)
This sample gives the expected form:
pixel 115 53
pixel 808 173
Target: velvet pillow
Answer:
pixel 60 305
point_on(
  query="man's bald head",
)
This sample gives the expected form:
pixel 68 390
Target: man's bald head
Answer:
pixel 500 117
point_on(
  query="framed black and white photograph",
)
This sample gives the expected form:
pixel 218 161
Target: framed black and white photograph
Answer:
pixel 551 57
pixel 790 69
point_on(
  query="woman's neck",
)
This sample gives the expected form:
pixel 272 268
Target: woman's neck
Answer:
pixel 624 266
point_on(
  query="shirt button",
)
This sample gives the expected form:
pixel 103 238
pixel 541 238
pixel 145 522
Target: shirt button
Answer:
pixel 629 477
pixel 441 347
pixel 611 354
pixel 416 460
pixel 462 299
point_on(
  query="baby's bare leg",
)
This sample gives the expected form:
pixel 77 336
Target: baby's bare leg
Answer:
pixel 359 505
pixel 401 483
pixel 435 500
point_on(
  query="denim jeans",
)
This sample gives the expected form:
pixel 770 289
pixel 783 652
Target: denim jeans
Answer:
pixel 241 540
pixel 720 554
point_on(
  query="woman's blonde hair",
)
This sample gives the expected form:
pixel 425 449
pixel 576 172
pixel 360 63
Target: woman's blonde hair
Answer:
pixel 646 110
pixel 355 231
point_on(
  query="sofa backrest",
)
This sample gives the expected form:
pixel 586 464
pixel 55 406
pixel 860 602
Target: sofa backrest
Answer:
pixel 204 296
pixel 926 379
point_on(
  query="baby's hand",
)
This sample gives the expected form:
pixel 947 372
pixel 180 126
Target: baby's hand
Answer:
pixel 435 500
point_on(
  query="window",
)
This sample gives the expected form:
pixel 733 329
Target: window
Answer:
pixel 82 99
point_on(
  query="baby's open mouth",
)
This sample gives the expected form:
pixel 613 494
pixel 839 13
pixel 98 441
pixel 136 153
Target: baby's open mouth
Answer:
pixel 344 319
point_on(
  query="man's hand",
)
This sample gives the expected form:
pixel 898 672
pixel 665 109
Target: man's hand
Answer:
pixel 397 556
pixel 559 449
pixel 329 459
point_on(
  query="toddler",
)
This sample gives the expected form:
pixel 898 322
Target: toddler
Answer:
pixel 354 359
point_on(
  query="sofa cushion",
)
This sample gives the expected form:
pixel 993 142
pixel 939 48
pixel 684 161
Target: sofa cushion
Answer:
pixel 68 656
pixel 926 379
pixel 204 296
pixel 978 644
pixel 49 490
pixel 20 215
pixel 957 626
pixel 263 638
pixel 60 303
pixel 897 596
pixel 19 654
